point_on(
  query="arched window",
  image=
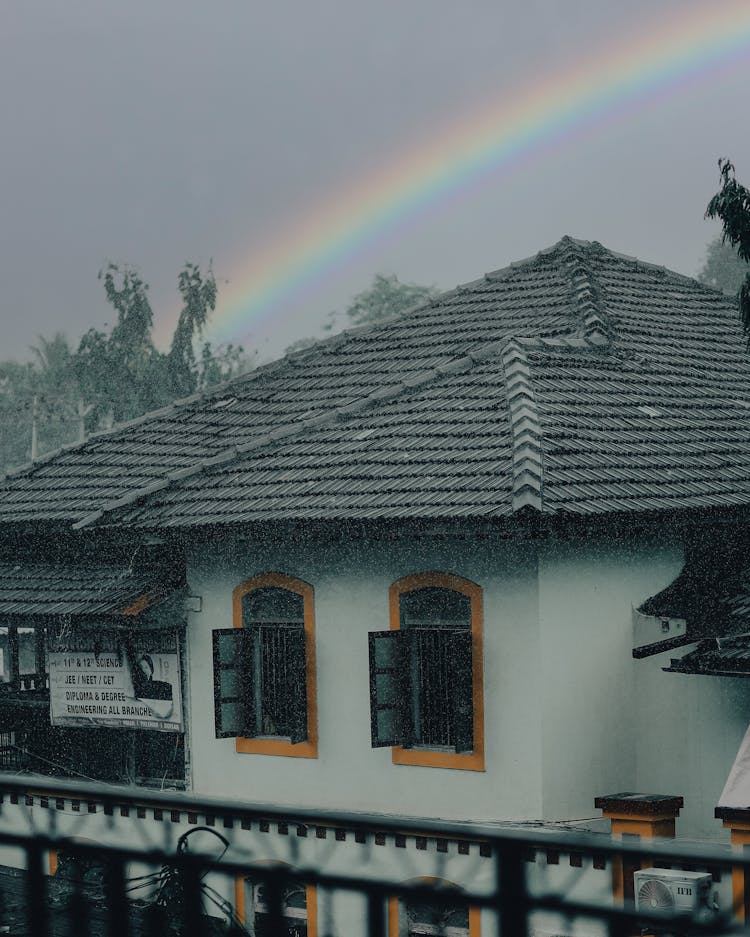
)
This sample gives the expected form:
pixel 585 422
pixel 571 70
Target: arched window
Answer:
pixel 298 907
pixel 264 668
pixel 432 917
pixel 426 673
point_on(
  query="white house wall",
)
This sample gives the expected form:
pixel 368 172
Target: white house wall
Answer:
pixel 351 578
pixel 589 701
pixel 612 723
pixel 689 730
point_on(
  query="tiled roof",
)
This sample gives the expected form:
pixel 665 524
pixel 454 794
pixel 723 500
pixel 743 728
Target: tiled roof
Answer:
pixel 576 381
pixel 725 657
pixel 45 588
pixel 711 594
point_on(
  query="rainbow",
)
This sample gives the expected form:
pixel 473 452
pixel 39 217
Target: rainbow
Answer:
pixel 666 55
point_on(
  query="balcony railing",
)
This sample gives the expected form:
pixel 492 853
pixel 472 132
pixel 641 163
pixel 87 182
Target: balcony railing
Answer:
pixel 55 880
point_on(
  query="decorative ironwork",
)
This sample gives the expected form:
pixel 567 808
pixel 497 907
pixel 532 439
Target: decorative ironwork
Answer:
pixel 118 891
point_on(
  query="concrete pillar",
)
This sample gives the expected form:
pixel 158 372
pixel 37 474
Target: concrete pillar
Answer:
pixel 645 816
pixel 737 821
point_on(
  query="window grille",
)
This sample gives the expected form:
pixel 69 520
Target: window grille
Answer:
pixel 261 669
pixel 422 673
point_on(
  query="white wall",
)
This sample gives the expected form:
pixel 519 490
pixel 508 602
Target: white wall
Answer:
pixel 689 730
pixel 351 579
pixel 612 723
pixel 590 705
pixel 569 714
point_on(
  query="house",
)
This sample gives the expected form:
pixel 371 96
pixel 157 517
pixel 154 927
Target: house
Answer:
pixel 434 567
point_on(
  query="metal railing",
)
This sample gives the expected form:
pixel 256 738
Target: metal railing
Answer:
pixel 55 881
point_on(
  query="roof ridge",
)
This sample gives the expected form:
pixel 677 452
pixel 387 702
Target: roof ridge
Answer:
pixel 525 428
pixel 586 293
pixel 455 366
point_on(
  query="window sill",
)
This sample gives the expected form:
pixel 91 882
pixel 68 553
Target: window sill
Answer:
pixel 282 747
pixel 430 758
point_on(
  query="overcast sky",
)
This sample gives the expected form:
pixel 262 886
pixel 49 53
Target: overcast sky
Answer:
pixel 158 131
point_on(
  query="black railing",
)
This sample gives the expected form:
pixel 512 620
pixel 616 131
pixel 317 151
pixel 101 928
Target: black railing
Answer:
pixel 54 881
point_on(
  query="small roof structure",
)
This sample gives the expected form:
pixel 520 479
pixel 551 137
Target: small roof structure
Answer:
pixel 80 589
pixel 720 657
pixel 710 599
pixel 577 382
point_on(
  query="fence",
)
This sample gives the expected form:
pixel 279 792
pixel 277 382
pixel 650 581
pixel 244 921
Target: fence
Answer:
pixel 198 882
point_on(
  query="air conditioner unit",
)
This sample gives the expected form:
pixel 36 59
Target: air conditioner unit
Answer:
pixel 675 891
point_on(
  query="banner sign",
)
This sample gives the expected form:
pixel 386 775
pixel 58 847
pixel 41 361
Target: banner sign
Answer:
pixel 130 683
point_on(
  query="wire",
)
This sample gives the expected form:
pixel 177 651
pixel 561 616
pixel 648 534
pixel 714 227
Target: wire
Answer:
pixel 55 764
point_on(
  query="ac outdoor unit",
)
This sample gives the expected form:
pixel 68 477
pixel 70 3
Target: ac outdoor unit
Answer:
pixel 673 891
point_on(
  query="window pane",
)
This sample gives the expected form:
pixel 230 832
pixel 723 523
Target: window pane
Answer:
pixel 389 723
pixel 233 683
pixel 436 917
pixel 26 650
pixel 233 717
pixel 435 607
pixel 4 655
pixel 272 604
pixel 388 686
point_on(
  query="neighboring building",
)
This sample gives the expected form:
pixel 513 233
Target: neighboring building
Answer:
pixel 429 536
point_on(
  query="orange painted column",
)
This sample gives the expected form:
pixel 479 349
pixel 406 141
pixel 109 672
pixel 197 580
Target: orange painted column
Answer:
pixel 738 823
pixel 646 816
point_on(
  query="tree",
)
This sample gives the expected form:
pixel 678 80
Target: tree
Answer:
pixel 113 375
pixel 731 205
pixel 122 374
pixel 386 296
pixel 722 269
pixel 198 301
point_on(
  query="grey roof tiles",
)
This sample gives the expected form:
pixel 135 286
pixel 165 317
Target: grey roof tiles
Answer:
pixel 577 381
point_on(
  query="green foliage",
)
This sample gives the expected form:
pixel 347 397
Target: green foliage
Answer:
pixel 731 205
pixel 299 344
pixel 45 388
pixel 386 296
pixel 112 376
pixel 198 300
pixel 722 269
pixel 120 373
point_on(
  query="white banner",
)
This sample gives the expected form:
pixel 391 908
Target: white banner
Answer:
pixel 127 686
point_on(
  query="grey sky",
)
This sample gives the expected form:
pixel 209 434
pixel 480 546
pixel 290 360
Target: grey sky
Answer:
pixel 159 132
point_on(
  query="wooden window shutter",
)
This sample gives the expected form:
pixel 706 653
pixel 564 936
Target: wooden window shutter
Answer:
pixel 297 671
pixel 462 702
pixel 233 682
pixel 390 690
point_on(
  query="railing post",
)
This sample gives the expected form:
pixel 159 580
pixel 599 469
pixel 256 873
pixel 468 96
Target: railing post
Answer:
pixel 114 889
pixel 511 890
pixel 375 915
pixel 36 891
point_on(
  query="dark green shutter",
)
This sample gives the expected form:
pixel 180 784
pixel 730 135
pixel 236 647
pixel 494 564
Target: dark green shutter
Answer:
pixel 233 682
pixel 297 672
pixel 390 692
pixel 463 701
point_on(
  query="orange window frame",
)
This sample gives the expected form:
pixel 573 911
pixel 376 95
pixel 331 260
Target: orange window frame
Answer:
pixel 309 748
pixel 311 904
pixel 468 761
pixel 394 909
